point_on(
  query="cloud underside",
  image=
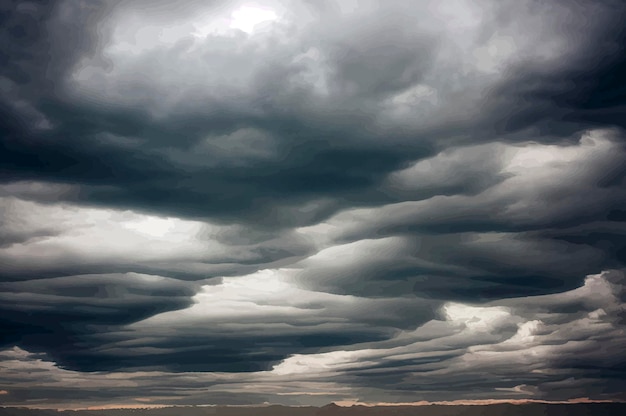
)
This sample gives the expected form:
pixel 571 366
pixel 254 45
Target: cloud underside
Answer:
pixel 543 347
pixel 389 202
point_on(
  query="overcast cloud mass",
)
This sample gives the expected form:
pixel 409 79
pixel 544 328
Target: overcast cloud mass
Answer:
pixel 299 202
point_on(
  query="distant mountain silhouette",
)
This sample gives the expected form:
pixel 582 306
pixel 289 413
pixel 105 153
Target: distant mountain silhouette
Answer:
pixel 532 409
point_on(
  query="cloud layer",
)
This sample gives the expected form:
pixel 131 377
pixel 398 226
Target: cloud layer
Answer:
pixel 301 202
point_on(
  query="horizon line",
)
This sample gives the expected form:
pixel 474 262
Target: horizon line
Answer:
pixel 344 404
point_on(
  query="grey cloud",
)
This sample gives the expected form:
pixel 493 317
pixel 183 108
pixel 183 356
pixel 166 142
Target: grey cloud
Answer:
pixel 469 265
pixel 546 347
pixel 51 314
pixel 420 362
pixel 276 183
pixel 372 163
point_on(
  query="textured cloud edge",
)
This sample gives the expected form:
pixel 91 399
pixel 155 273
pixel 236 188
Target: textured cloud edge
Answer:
pixel 465 346
pixel 305 202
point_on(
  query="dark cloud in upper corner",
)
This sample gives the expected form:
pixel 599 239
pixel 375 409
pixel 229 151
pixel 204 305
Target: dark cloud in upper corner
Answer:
pixel 585 90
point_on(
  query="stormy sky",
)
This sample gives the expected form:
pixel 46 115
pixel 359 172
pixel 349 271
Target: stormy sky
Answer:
pixel 306 201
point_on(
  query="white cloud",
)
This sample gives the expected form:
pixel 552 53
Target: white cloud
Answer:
pixel 321 363
pixel 264 299
pixel 538 183
pixel 533 349
pixel 74 235
pixel 476 318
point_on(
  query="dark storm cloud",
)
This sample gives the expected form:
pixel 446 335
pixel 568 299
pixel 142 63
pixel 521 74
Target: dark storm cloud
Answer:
pixel 310 156
pixel 556 98
pixel 54 314
pixel 549 336
pixel 569 340
pixel 325 187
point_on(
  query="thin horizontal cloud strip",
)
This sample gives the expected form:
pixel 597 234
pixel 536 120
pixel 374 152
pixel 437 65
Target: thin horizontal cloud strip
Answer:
pixel 302 202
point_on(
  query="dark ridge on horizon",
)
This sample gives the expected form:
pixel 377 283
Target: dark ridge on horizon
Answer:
pixel 497 409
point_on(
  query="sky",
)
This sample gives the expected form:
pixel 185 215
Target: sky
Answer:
pixel 301 202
